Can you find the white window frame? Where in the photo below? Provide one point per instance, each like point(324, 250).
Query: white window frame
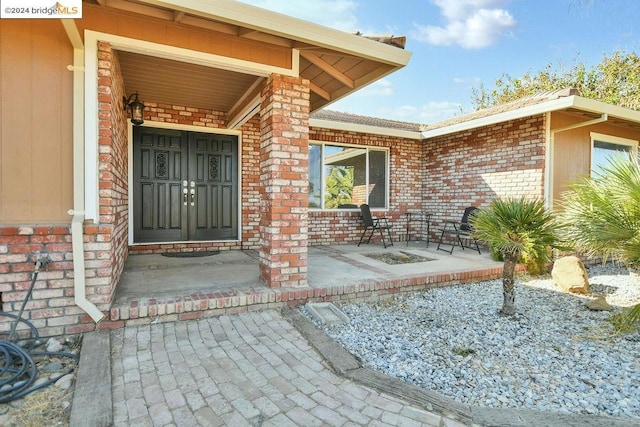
point(367, 149)
point(600, 137)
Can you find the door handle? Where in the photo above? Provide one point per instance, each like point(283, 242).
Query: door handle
point(193, 196)
point(185, 192)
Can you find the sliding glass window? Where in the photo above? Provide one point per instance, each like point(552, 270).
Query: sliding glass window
point(344, 177)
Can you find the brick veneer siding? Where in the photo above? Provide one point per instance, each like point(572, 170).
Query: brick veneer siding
point(472, 168)
point(406, 177)
point(51, 306)
point(284, 161)
point(113, 178)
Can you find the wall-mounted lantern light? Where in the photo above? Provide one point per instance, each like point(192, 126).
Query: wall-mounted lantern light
point(135, 107)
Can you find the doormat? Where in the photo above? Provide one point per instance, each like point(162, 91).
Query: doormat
point(194, 254)
point(398, 257)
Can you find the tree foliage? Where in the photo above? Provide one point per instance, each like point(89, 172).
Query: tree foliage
point(602, 217)
point(338, 187)
point(615, 80)
point(602, 213)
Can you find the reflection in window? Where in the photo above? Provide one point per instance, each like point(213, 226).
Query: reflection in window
point(315, 176)
point(603, 151)
point(351, 176)
point(344, 176)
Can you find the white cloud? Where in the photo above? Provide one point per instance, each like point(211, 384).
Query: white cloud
point(472, 24)
point(337, 14)
point(428, 113)
point(381, 87)
point(468, 82)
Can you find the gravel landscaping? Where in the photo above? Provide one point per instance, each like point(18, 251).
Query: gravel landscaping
point(554, 355)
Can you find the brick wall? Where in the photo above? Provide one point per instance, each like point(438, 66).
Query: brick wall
point(284, 162)
point(471, 168)
point(111, 237)
point(51, 308)
point(251, 184)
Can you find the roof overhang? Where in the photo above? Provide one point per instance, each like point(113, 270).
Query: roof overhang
point(335, 63)
point(276, 24)
point(358, 128)
point(565, 103)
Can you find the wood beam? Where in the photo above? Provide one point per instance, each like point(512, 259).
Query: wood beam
point(178, 15)
point(251, 34)
point(327, 68)
point(138, 8)
point(246, 105)
point(229, 29)
point(319, 91)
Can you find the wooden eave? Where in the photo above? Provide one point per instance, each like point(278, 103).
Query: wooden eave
point(336, 63)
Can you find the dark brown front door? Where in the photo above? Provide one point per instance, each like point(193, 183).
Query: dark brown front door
point(185, 186)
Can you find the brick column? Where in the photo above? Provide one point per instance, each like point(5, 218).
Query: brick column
point(284, 181)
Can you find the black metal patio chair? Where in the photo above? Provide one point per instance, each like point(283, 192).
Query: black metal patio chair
point(374, 223)
point(459, 233)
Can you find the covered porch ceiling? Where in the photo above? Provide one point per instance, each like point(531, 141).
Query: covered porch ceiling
point(336, 63)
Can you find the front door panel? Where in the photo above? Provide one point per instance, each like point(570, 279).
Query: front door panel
point(159, 164)
point(185, 186)
point(213, 167)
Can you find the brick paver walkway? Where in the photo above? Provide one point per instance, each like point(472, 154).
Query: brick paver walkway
point(251, 369)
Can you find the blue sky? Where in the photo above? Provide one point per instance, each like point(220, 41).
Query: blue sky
point(459, 44)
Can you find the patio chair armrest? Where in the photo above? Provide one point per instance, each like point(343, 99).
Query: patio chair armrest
point(381, 220)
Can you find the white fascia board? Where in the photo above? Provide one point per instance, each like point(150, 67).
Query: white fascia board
point(277, 24)
point(373, 130)
point(600, 107)
point(577, 102)
point(556, 104)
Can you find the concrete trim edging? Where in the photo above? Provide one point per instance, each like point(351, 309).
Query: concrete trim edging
point(346, 365)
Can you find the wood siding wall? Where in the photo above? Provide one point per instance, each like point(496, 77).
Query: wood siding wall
point(168, 33)
point(36, 170)
point(571, 156)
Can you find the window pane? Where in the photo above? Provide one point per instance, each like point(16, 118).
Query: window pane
point(602, 152)
point(315, 178)
point(377, 179)
point(344, 177)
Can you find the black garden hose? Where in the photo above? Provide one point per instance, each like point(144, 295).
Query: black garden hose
point(18, 369)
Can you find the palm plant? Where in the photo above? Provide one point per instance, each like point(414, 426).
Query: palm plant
point(602, 215)
point(517, 229)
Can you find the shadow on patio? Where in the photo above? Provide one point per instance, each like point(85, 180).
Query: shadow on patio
point(155, 287)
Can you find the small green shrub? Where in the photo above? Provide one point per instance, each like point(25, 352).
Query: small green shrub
point(464, 352)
